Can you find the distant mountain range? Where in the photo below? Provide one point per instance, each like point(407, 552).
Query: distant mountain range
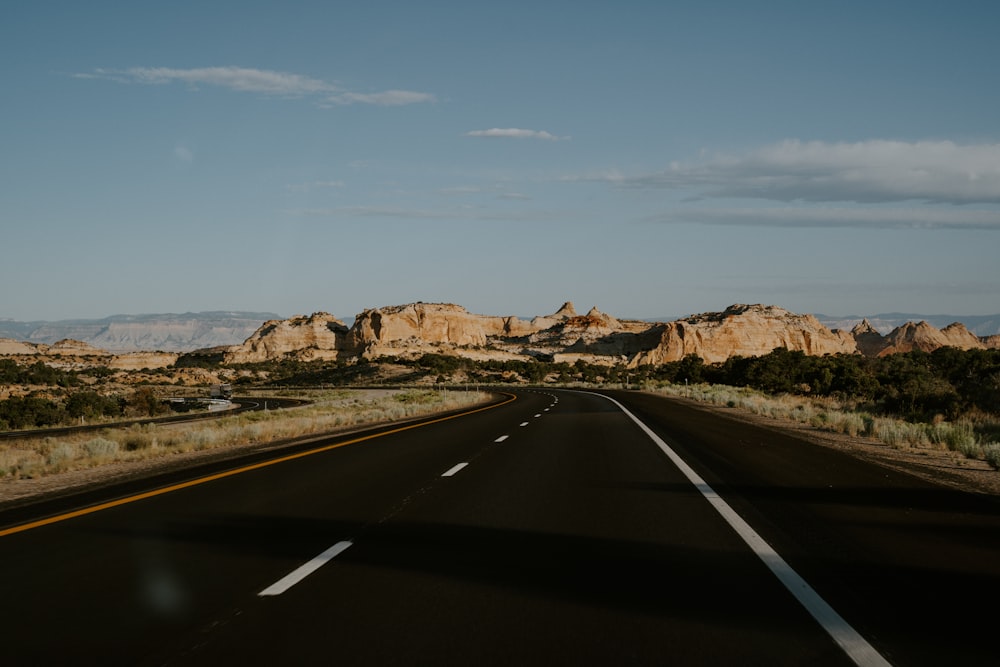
point(981, 325)
point(884, 323)
point(168, 332)
point(171, 332)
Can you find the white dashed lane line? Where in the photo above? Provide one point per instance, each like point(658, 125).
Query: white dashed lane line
point(294, 577)
point(501, 438)
point(523, 424)
point(455, 469)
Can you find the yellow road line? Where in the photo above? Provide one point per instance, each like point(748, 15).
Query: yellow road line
point(229, 473)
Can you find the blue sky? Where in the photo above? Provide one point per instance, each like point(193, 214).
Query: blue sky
point(654, 159)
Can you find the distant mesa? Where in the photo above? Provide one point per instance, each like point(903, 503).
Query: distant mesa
point(138, 333)
point(742, 330)
point(414, 329)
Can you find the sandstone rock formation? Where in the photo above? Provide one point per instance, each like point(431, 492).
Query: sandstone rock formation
point(137, 361)
point(10, 347)
point(743, 330)
point(923, 336)
point(869, 341)
point(383, 331)
point(318, 336)
point(74, 354)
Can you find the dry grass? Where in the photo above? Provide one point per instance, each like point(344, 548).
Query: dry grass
point(963, 436)
point(329, 412)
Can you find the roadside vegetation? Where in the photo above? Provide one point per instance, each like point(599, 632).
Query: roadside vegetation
point(948, 399)
point(79, 406)
point(330, 411)
point(973, 438)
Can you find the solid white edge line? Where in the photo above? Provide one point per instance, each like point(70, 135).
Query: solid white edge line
point(454, 469)
point(854, 645)
point(501, 438)
point(300, 573)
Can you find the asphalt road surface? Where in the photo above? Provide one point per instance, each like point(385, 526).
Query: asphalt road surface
point(559, 528)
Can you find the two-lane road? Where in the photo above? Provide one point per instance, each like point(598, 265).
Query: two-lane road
point(551, 529)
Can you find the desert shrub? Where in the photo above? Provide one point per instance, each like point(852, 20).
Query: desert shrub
point(139, 437)
point(101, 448)
point(204, 439)
point(961, 437)
point(894, 433)
point(991, 453)
point(852, 423)
point(61, 455)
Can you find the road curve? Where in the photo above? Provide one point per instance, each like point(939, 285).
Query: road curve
point(549, 530)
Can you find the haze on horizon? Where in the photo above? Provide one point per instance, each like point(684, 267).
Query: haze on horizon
point(648, 158)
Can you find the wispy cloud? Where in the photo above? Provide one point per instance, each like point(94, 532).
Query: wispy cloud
point(388, 98)
point(923, 217)
point(463, 213)
point(263, 82)
point(315, 185)
point(497, 191)
point(516, 133)
point(875, 171)
point(184, 154)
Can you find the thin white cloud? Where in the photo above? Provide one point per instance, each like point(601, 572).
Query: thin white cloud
point(315, 185)
point(922, 217)
point(235, 78)
point(388, 98)
point(866, 172)
point(516, 133)
point(463, 213)
point(462, 190)
point(264, 82)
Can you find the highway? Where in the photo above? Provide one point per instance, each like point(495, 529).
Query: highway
point(555, 528)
